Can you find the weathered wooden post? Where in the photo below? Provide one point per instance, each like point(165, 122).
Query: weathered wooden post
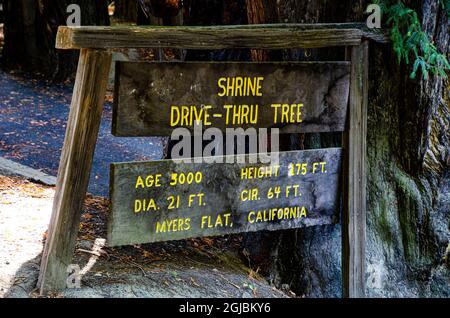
point(75, 166)
point(354, 190)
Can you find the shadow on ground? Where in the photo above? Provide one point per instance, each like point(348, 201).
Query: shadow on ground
point(206, 267)
point(114, 275)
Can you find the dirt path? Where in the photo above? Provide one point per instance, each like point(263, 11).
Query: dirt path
point(188, 268)
point(24, 215)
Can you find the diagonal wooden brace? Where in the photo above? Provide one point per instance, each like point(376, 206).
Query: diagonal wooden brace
point(74, 168)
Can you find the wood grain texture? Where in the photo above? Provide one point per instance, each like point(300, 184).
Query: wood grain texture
point(222, 185)
point(263, 36)
point(74, 169)
point(145, 92)
point(354, 199)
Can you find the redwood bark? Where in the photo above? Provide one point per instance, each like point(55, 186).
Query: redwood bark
point(408, 173)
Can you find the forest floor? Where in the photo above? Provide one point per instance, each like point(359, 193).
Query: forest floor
point(207, 267)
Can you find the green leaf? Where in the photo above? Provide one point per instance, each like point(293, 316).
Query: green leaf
point(410, 42)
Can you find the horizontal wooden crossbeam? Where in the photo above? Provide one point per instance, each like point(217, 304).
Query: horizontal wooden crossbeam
point(263, 36)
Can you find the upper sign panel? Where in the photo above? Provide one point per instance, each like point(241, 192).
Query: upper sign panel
point(152, 99)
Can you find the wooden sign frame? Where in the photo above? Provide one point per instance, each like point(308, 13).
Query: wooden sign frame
point(87, 105)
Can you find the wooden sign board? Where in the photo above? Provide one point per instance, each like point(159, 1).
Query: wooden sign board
point(169, 200)
point(151, 99)
point(322, 88)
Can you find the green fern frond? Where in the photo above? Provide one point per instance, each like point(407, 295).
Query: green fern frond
point(410, 42)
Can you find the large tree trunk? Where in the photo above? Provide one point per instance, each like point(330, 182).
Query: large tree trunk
point(215, 12)
point(408, 175)
point(408, 181)
point(408, 159)
point(30, 32)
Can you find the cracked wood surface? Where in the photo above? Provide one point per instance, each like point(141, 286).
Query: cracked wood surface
point(145, 92)
point(257, 36)
point(222, 186)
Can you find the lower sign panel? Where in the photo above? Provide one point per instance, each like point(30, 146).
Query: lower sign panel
point(170, 200)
